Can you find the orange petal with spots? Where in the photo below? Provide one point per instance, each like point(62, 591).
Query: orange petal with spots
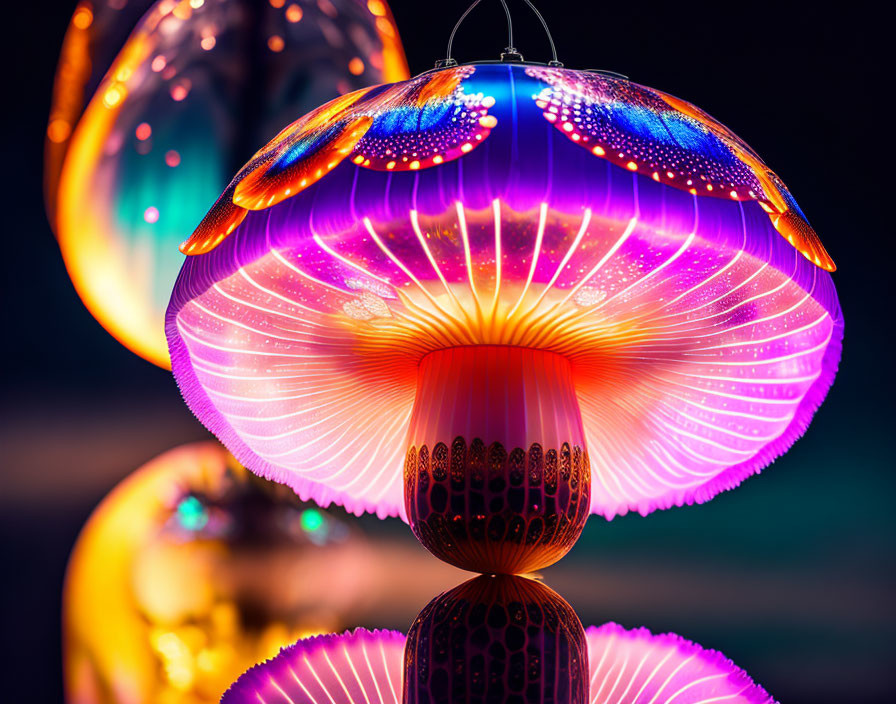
point(801, 235)
point(260, 189)
point(219, 222)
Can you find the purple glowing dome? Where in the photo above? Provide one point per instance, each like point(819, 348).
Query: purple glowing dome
point(585, 285)
point(626, 667)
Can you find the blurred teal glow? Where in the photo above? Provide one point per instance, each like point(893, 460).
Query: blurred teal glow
point(192, 514)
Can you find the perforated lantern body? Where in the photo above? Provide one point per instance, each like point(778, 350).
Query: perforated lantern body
point(527, 261)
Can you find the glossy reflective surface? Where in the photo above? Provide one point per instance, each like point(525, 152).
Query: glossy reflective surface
point(498, 640)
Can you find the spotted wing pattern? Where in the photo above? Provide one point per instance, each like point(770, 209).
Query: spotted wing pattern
point(406, 126)
point(672, 141)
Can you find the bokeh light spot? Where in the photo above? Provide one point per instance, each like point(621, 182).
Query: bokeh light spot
point(191, 513)
point(356, 66)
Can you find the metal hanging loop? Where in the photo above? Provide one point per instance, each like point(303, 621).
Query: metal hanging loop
point(510, 54)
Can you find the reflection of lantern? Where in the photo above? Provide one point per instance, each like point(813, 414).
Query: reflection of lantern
point(193, 569)
point(498, 639)
point(193, 89)
point(623, 667)
point(497, 297)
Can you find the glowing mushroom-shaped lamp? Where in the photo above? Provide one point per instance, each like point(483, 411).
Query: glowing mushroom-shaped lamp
point(498, 297)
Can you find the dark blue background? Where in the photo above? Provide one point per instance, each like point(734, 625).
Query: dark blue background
point(791, 575)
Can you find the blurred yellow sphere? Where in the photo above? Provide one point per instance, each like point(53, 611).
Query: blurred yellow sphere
point(190, 571)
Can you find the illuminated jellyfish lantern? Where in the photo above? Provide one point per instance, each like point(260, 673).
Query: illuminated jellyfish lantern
point(505, 639)
point(498, 297)
point(191, 570)
point(192, 91)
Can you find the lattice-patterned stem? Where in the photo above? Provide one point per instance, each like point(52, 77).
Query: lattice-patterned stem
point(496, 639)
point(497, 478)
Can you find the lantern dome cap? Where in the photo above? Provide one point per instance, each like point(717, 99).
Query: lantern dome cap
point(507, 205)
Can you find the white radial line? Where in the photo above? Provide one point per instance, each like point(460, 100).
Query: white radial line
point(597, 267)
point(709, 278)
point(338, 676)
point(407, 272)
point(238, 350)
point(621, 673)
point(600, 470)
point(536, 252)
point(653, 272)
point(348, 262)
point(631, 680)
point(670, 678)
point(706, 441)
point(631, 475)
point(269, 311)
point(397, 470)
point(235, 377)
point(468, 258)
point(648, 449)
point(695, 360)
point(662, 480)
point(341, 411)
point(415, 224)
point(347, 424)
point(764, 381)
point(749, 323)
point(602, 658)
point(737, 397)
point(583, 228)
point(280, 689)
point(373, 677)
point(359, 474)
point(304, 689)
point(390, 436)
point(698, 361)
point(725, 411)
point(244, 326)
point(260, 698)
point(724, 295)
point(701, 476)
point(291, 301)
point(496, 207)
point(269, 419)
point(351, 664)
point(694, 684)
point(603, 681)
point(289, 265)
point(645, 489)
point(673, 412)
point(723, 697)
point(388, 674)
point(315, 676)
point(319, 390)
point(779, 336)
point(704, 282)
point(664, 333)
point(693, 455)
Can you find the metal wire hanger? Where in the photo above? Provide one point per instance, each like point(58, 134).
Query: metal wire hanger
point(510, 54)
